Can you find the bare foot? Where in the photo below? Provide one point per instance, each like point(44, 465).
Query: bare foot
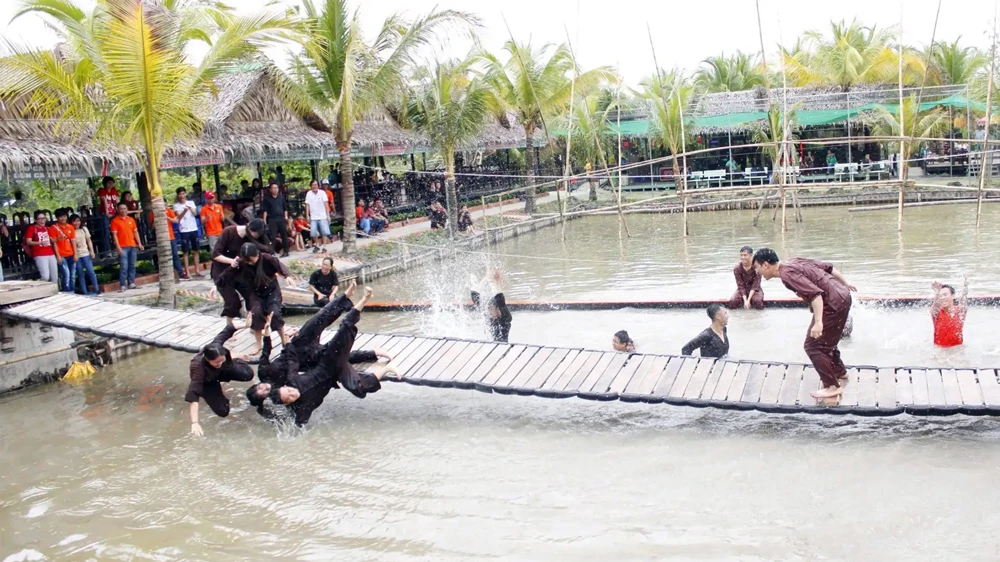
point(828, 392)
point(255, 352)
point(285, 340)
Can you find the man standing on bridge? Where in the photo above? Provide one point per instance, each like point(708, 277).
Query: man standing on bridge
point(829, 296)
point(748, 293)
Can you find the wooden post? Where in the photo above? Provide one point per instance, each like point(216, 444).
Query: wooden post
point(684, 164)
point(215, 176)
point(987, 160)
point(569, 140)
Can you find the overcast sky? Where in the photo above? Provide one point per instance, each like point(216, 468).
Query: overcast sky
point(614, 33)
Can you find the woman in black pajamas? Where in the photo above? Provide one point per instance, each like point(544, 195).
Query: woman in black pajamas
point(259, 271)
point(209, 369)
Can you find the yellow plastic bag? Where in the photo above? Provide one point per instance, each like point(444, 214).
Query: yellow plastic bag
point(79, 372)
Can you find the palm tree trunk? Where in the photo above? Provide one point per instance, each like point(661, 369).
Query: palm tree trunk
point(164, 257)
point(529, 159)
point(451, 193)
point(348, 235)
point(593, 189)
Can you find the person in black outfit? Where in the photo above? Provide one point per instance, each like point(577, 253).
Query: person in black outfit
point(208, 369)
point(306, 391)
point(300, 354)
point(465, 220)
point(274, 211)
point(438, 215)
point(714, 341)
point(225, 252)
point(498, 317)
point(260, 272)
point(323, 282)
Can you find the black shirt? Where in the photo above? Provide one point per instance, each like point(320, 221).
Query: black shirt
point(275, 207)
point(324, 283)
point(710, 344)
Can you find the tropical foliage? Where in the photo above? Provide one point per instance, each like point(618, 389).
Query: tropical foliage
point(592, 131)
point(666, 95)
point(886, 122)
point(952, 63)
point(729, 74)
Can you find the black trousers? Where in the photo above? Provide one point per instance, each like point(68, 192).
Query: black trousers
point(234, 296)
point(212, 390)
point(279, 229)
point(262, 305)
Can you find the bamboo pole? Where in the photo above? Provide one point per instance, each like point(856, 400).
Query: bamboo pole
point(569, 137)
point(778, 148)
point(903, 165)
point(621, 216)
point(987, 166)
point(684, 163)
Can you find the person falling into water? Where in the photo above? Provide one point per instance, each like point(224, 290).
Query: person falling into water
point(260, 272)
point(210, 368)
point(498, 317)
point(714, 340)
point(621, 342)
point(301, 353)
point(829, 296)
point(748, 292)
point(234, 292)
point(305, 392)
point(948, 317)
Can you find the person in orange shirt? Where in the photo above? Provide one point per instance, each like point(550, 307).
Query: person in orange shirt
point(65, 234)
point(331, 206)
point(948, 317)
point(125, 236)
point(212, 217)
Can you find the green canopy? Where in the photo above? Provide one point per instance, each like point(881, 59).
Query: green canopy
point(729, 119)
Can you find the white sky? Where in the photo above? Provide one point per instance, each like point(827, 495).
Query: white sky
point(614, 33)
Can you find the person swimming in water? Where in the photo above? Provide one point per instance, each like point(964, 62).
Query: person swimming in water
point(498, 317)
point(622, 342)
point(949, 317)
point(714, 340)
point(211, 367)
point(305, 392)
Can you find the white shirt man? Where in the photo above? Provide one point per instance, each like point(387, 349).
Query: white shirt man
point(317, 215)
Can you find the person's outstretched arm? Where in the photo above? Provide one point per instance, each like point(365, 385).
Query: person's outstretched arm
point(963, 300)
point(698, 342)
point(935, 305)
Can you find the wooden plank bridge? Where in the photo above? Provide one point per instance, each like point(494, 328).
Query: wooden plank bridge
point(550, 372)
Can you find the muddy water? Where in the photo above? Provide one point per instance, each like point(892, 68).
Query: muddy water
point(106, 470)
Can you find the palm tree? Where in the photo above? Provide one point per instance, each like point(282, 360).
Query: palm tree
point(733, 74)
point(592, 115)
point(853, 54)
point(666, 95)
point(954, 64)
point(535, 84)
point(886, 123)
point(451, 108)
point(347, 78)
point(772, 132)
point(124, 76)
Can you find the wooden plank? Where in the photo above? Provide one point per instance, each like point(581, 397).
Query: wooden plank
point(647, 374)
point(600, 379)
point(172, 318)
point(28, 309)
point(359, 342)
point(773, 378)
point(867, 388)
point(199, 334)
point(790, 386)
point(531, 369)
point(474, 362)
point(969, 387)
point(408, 351)
point(952, 394)
point(625, 374)
point(755, 383)
point(935, 387)
point(549, 368)
point(503, 364)
point(713, 379)
point(736, 387)
point(810, 384)
point(885, 390)
point(517, 366)
point(850, 395)
point(447, 357)
point(725, 380)
point(399, 343)
point(414, 364)
point(489, 362)
point(63, 314)
point(83, 319)
point(391, 343)
point(431, 359)
point(989, 387)
point(904, 388)
point(699, 378)
point(377, 340)
point(592, 363)
point(684, 376)
point(157, 333)
point(127, 328)
point(918, 382)
point(50, 307)
point(669, 374)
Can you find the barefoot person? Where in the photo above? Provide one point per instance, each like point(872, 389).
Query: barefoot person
point(305, 392)
point(208, 369)
point(748, 293)
point(948, 317)
point(260, 272)
point(235, 293)
point(829, 295)
point(714, 340)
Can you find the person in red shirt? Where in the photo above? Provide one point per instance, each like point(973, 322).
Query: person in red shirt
point(108, 196)
point(301, 226)
point(40, 238)
point(65, 250)
point(948, 317)
point(125, 235)
point(212, 217)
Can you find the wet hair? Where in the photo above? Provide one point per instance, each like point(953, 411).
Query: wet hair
point(622, 336)
point(950, 289)
point(38, 213)
point(260, 278)
point(62, 213)
point(765, 255)
point(107, 180)
point(275, 395)
point(713, 309)
point(252, 396)
point(746, 249)
point(213, 351)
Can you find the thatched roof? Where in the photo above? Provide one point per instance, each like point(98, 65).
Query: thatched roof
point(506, 132)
